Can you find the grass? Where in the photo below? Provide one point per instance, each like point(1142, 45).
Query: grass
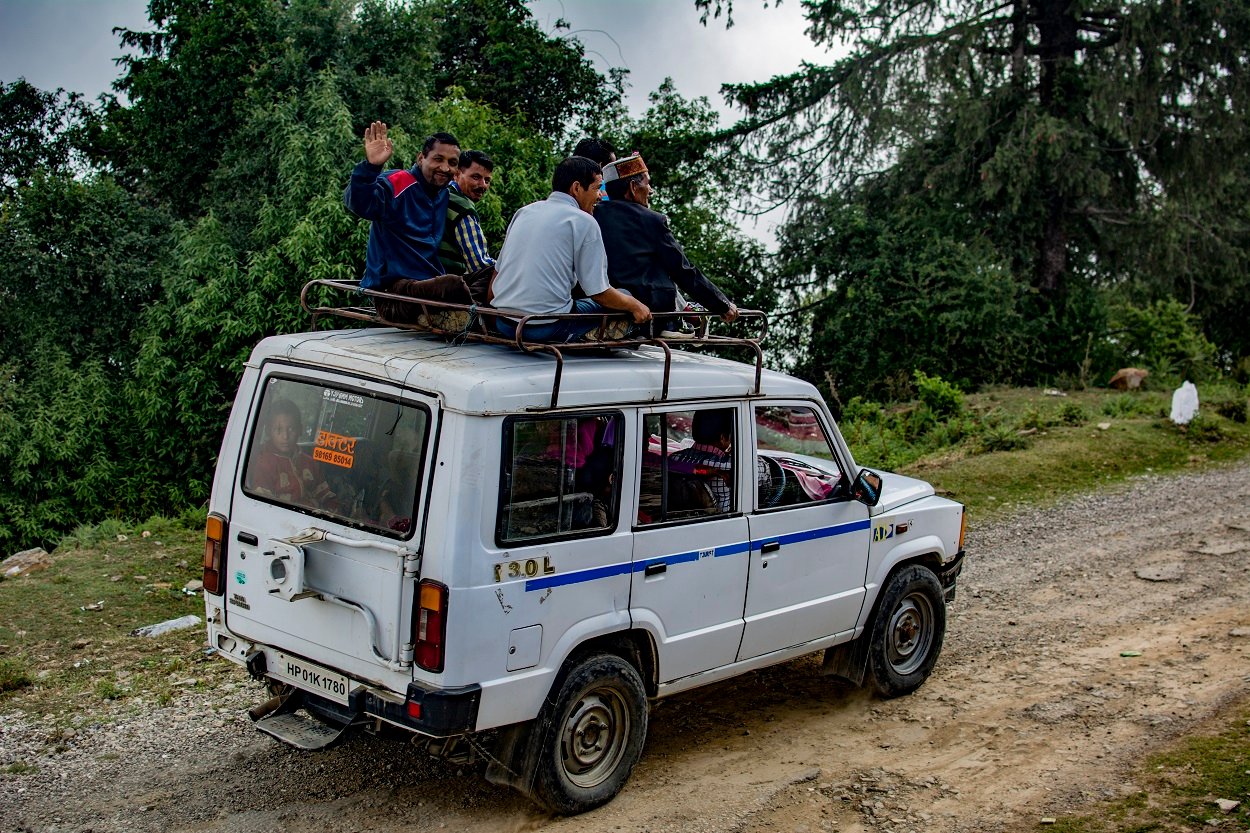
point(1181, 786)
point(1026, 447)
point(13, 675)
point(20, 768)
point(66, 653)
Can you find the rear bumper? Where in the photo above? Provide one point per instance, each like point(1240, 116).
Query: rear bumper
point(443, 712)
point(437, 712)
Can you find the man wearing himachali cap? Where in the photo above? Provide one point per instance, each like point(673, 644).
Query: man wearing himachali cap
point(552, 246)
point(644, 258)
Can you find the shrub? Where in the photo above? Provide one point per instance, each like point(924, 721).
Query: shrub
point(943, 398)
point(89, 535)
point(1165, 338)
point(1000, 438)
point(914, 423)
point(1072, 414)
point(13, 675)
point(21, 768)
point(1127, 405)
point(194, 518)
point(949, 433)
point(1032, 418)
point(861, 410)
point(1231, 405)
point(1205, 429)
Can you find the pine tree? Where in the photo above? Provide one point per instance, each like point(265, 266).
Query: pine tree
point(1094, 144)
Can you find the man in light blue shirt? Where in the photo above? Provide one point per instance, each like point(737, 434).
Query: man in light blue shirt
point(552, 246)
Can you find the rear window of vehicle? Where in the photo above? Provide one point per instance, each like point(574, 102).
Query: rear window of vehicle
point(342, 454)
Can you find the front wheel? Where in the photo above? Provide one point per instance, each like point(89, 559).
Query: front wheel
point(907, 634)
point(593, 730)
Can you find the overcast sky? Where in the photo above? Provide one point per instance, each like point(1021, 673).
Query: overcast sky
point(65, 43)
point(658, 38)
point(70, 44)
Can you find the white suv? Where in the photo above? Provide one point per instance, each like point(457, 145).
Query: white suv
point(410, 533)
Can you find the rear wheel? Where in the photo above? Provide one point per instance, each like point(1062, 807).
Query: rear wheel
point(593, 731)
point(908, 632)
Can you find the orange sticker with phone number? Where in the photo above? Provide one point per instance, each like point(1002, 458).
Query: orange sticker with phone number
point(335, 449)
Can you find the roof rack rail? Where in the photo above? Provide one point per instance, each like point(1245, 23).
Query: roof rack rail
point(473, 322)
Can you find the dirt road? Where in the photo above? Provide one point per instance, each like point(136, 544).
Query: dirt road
point(1034, 710)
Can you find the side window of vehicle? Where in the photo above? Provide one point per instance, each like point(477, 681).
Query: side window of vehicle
point(795, 462)
point(687, 465)
point(561, 477)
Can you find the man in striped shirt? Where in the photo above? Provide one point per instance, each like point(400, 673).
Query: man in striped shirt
point(463, 248)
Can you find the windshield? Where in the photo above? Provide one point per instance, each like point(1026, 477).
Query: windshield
point(342, 454)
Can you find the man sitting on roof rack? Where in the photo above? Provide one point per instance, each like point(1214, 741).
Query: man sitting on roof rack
point(599, 151)
point(463, 249)
point(552, 246)
point(407, 209)
point(644, 258)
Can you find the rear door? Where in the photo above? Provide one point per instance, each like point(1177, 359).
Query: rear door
point(690, 538)
point(809, 540)
point(325, 521)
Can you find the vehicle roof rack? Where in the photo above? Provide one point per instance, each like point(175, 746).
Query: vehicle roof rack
point(474, 322)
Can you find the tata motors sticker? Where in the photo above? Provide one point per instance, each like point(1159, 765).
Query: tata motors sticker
point(335, 449)
point(343, 398)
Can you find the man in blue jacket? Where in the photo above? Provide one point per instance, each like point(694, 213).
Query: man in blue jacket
point(407, 209)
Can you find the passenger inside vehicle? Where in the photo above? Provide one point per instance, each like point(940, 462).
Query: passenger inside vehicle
point(560, 476)
point(403, 466)
point(279, 468)
point(687, 467)
point(710, 455)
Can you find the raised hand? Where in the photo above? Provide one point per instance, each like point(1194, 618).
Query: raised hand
point(378, 148)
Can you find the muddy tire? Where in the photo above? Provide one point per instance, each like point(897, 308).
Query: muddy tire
point(592, 730)
point(908, 631)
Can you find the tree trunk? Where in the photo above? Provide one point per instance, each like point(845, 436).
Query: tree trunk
point(1019, 40)
point(1060, 97)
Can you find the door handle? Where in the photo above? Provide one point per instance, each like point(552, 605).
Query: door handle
point(771, 546)
point(654, 569)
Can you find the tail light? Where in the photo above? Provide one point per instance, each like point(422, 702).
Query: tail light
point(963, 526)
point(431, 625)
point(214, 554)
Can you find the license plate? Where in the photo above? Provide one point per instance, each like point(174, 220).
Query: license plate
point(309, 676)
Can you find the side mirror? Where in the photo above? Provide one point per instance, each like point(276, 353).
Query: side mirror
point(867, 487)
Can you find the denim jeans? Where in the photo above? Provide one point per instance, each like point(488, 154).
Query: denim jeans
point(557, 332)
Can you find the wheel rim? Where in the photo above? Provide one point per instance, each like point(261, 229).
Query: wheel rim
point(593, 737)
point(910, 634)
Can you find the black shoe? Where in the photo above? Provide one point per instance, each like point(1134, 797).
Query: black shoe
point(682, 331)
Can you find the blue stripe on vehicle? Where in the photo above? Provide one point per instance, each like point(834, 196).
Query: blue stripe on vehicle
point(814, 534)
point(578, 577)
point(733, 549)
point(738, 548)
